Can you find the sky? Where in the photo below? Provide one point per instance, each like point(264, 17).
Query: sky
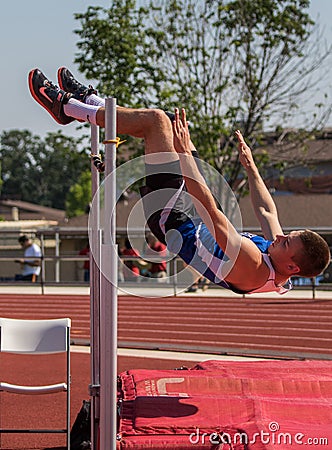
point(41, 34)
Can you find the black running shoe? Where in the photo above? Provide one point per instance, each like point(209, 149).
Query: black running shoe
point(49, 96)
point(68, 83)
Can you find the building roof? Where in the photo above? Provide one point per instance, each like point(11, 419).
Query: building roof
point(312, 150)
point(123, 211)
point(28, 211)
point(295, 211)
point(26, 225)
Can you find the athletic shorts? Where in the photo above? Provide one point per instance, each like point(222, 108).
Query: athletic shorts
point(187, 235)
point(163, 183)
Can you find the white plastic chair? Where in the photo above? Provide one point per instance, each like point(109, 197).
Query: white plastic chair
point(36, 337)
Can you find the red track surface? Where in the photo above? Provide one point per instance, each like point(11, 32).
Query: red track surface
point(271, 327)
point(48, 411)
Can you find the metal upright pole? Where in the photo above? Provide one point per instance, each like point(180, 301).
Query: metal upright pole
point(57, 257)
point(95, 242)
point(109, 280)
point(42, 264)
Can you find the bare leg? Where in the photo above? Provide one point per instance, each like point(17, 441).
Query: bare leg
point(152, 125)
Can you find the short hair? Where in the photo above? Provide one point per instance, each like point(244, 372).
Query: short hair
point(23, 239)
point(315, 255)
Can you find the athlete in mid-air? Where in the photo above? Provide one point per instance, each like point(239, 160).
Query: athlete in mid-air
point(180, 209)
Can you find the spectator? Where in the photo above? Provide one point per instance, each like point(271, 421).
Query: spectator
point(156, 248)
point(131, 270)
point(30, 264)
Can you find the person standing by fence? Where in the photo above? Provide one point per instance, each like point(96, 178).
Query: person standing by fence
point(31, 262)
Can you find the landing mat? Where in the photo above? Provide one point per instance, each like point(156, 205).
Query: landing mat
point(227, 405)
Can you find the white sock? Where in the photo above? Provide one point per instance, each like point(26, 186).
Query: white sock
point(81, 111)
point(94, 100)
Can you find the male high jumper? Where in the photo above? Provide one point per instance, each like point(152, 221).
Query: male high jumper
point(179, 207)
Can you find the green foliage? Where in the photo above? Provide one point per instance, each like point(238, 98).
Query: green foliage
point(40, 170)
point(19, 153)
point(112, 48)
point(231, 64)
point(79, 196)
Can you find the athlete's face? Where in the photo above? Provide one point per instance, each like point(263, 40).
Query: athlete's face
point(282, 251)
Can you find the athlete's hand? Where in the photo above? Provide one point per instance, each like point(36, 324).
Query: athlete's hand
point(245, 154)
point(181, 135)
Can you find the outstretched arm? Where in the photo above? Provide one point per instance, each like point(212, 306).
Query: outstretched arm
point(261, 199)
point(196, 185)
point(245, 268)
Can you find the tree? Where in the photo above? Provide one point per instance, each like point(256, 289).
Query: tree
point(79, 196)
point(231, 64)
point(40, 170)
point(61, 163)
point(111, 49)
point(19, 153)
